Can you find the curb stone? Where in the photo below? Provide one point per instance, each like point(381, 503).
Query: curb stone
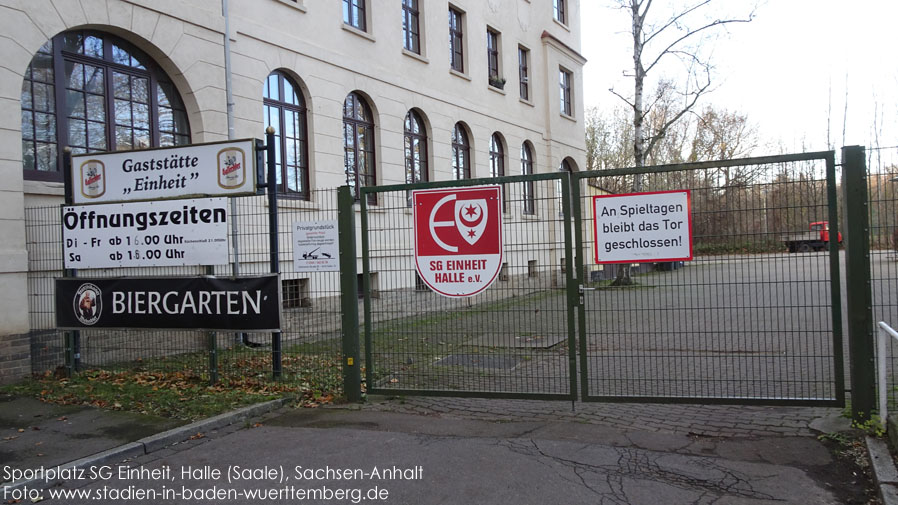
point(155, 442)
point(884, 473)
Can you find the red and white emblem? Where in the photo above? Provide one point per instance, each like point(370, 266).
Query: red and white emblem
point(458, 238)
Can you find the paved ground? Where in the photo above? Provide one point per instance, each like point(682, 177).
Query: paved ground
point(448, 450)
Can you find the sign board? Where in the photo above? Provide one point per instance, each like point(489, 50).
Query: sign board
point(458, 238)
point(215, 169)
point(643, 227)
point(316, 247)
point(207, 303)
point(146, 234)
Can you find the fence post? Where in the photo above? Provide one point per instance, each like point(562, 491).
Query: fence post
point(858, 289)
point(72, 337)
point(352, 376)
point(276, 367)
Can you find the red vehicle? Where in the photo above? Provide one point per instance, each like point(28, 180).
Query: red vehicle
point(817, 239)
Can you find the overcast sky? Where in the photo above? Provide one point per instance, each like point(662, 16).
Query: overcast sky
point(782, 70)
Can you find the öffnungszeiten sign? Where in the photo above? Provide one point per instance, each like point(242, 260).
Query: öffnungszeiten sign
point(214, 169)
point(643, 227)
point(146, 234)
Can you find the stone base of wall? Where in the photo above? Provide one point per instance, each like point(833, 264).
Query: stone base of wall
point(15, 357)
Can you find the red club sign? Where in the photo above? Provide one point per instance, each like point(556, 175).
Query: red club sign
point(458, 238)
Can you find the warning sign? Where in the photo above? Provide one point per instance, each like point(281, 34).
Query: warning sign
point(643, 227)
point(458, 238)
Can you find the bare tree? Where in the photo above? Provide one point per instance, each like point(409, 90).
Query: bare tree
point(681, 36)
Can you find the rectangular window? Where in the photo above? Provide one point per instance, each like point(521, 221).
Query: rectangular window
point(411, 33)
point(492, 58)
point(564, 83)
point(354, 14)
point(560, 14)
point(456, 40)
point(524, 72)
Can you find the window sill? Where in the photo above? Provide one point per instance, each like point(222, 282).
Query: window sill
point(496, 90)
point(415, 56)
point(287, 202)
point(355, 31)
point(559, 23)
point(568, 117)
point(456, 73)
point(32, 187)
point(299, 5)
point(526, 102)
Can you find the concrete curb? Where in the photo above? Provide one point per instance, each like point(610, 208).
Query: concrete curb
point(884, 473)
point(152, 443)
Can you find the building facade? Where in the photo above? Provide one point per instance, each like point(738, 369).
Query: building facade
point(360, 92)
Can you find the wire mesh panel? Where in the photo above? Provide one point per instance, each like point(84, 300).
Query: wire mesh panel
point(311, 315)
point(882, 186)
point(513, 339)
point(754, 317)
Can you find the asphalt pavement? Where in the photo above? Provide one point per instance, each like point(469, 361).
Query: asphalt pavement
point(420, 450)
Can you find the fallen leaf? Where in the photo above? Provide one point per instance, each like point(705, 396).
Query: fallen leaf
point(197, 436)
point(21, 430)
point(10, 438)
point(63, 418)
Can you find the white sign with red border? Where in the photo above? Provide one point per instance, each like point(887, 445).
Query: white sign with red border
point(643, 227)
point(458, 238)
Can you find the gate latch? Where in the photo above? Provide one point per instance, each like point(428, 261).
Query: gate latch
point(583, 289)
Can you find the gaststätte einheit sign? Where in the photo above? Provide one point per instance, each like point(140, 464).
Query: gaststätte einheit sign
point(214, 169)
point(146, 234)
point(207, 303)
point(458, 238)
point(643, 227)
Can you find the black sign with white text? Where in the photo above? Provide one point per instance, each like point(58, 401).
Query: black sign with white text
point(208, 303)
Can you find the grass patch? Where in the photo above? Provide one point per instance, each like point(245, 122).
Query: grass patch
point(186, 394)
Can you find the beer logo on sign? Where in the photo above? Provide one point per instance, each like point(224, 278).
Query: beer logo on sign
point(231, 168)
point(88, 304)
point(93, 179)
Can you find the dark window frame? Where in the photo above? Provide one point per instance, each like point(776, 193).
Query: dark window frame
point(461, 152)
point(524, 72)
point(411, 28)
point(158, 124)
point(360, 128)
point(354, 12)
point(415, 131)
point(558, 7)
point(456, 40)
point(565, 78)
point(284, 107)
point(527, 187)
point(497, 163)
point(492, 55)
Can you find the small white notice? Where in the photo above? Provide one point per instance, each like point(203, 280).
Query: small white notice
point(643, 227)
point(316, 246)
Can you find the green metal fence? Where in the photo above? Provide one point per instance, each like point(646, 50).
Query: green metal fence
point(513, 340)
point(746, 320)
point(311, 314)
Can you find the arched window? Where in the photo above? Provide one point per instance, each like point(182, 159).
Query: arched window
point(358, 144)
point(415, 148)
point(497, 163)
point(529, 204)
point(92, 91)
point(461, 153)
point(415, 151)
point(285, 110)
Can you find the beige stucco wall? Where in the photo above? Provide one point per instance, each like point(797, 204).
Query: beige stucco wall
point(308, 40)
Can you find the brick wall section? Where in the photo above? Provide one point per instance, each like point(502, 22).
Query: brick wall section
point(15, 357)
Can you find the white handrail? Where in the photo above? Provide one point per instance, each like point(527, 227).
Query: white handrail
point(885, 331)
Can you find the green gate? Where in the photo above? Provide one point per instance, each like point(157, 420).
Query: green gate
point(514, 340)
point(743, 321)
point(746, 320)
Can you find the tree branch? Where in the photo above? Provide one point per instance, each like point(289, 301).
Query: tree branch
point(669, 48)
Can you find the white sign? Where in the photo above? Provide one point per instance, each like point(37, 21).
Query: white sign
point(316, 247)
point(220, 168)
point(643, 227)
point(146, 234)
point(458, 238)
